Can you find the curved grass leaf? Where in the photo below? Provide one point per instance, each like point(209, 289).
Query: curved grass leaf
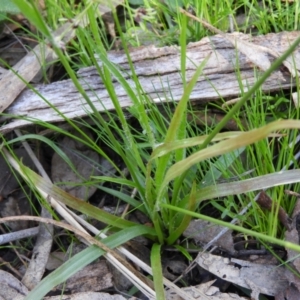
point(166, 148)
point(121, 181)
point(80, 260)
point(244, 139)
point(248, 185)
point(172, 134)
point(42, 185)
point(249, 232)
point(157, 272)
point(80, 205)
point(124, 197)
point(185, 219)
point(32, 14)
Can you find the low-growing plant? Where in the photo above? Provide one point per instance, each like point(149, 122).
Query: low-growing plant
point(165, 157)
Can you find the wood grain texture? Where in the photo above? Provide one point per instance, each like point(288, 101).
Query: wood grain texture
point(158, 70)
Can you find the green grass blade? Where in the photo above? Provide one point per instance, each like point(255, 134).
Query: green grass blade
point(45, 187)
point(152, 186)
point(248, 185)
point(166, 148)
point(124, 197)
point(31, 12)
point(183, 49)
point(244, 139)
point(157, 272)
point(77, 204)
point(62, 273)
point(179, 113)
point(176, 232)
point(236, 228)
point(173, 129)
point(278, 62)
point(120, 181)
point(80, 260)
point(222, 163)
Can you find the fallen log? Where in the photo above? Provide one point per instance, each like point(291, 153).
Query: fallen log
point(224, 76)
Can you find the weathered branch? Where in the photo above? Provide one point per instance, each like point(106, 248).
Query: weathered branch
point(158, 70)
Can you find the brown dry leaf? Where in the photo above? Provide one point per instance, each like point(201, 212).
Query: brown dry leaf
point(11, 287)
point(211, 118)
point(204, 231)
point(120, 281)
point(264, 201)
point(291, 293)
point(13, 201)
point(92, 278)
point(264, 279)
point(294, 282)
point(87, 296)
point(9, 181)
point(18, 21)
point(85, 162)
point(173, 268)
point(144, 284)
point(55, 260)
point(16, 205)
point(210, 292)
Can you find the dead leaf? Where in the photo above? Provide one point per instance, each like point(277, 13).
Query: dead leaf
point(9, 181)
point(204, 231)
point(87, 296)
point(11, 287)
point(85, 163)
point(173, 268)
point(293, 280)
point(266, 202)
point(264, 279)
point(210, 292)
point(92, 278)
point(120, 281)
point(55, 260)
point(295, 98)
point(291, 293)
point(16, 205)
point(13, 201)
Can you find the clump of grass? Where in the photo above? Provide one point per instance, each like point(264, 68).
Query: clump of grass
point(167, 160)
